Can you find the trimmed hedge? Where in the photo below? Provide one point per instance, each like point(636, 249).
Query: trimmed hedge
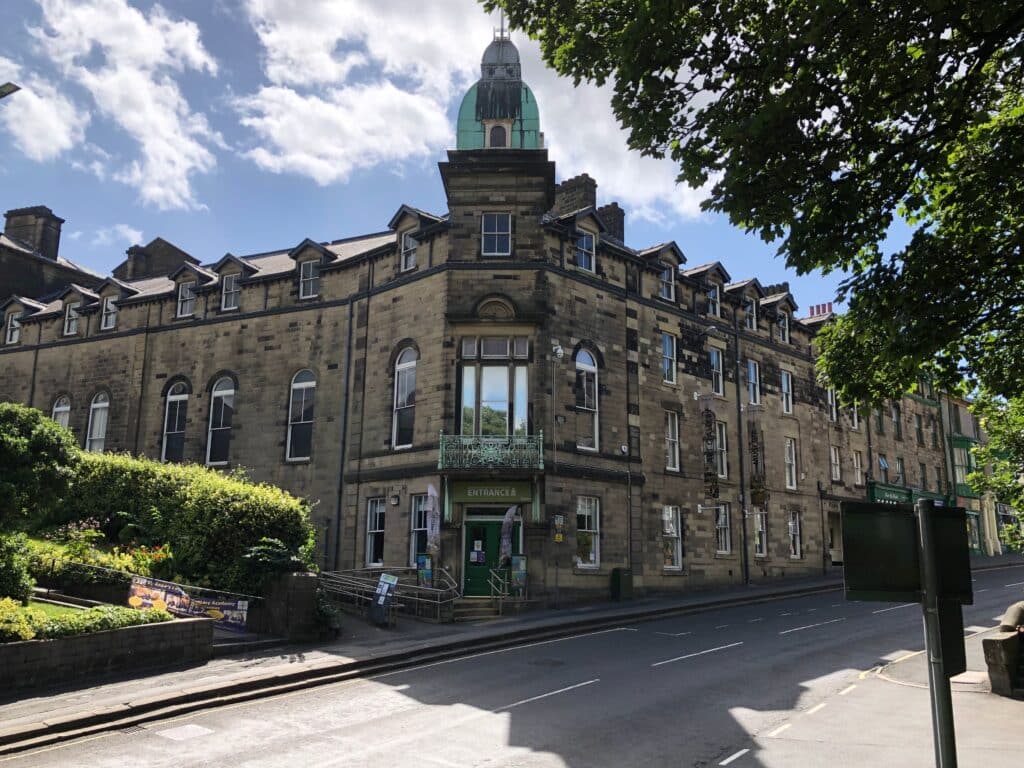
point(20, 623)
point(213, 523)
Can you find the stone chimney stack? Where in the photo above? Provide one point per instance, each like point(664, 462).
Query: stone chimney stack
point(615, 219)
point(575, 193)
point(37, 227)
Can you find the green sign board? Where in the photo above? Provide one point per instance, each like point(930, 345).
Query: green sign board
point(891, 493)
point(492, 492)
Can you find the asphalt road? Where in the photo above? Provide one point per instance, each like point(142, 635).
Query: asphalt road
point(697, 690)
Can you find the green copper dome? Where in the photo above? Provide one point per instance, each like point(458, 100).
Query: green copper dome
point(499, 98)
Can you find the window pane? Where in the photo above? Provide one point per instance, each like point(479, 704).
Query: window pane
point(301, 442)
point(521, 346)
point(521, 395)
point(404, 418)
point(469, 347)
point(468, 399)
point(174, 447)
point(494, 346)
point(494, 404)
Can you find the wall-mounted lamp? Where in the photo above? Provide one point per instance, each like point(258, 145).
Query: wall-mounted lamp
point(395, 499)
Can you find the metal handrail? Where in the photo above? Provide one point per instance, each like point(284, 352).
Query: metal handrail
point(359, 585)
point(498, 581)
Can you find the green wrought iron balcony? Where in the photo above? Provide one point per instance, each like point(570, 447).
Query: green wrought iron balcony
point(485, 452)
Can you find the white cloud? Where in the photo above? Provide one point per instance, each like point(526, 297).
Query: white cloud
point(333, 64)
point(126, 60)
point(117, 233)
point(43, 122)
point(317, 136)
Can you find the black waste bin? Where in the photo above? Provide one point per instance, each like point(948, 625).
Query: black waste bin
point(622, 584)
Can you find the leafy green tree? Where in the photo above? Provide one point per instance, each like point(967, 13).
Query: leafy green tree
point(1001, 461)
point(37, 461)
point(821, 124)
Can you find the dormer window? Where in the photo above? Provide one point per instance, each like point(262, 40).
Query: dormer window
point(309, 279)
point(71, 318)
point(668, 283)
point(13, 335)
point(714, 306)
point(409, 244)
point(585, 252)
point(750, 313)
point(230, 292)
point(784, 327)
point(186, 298)
point(496, 234)
point(108, 318)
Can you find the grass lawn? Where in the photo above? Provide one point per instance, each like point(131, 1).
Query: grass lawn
point(53, 611)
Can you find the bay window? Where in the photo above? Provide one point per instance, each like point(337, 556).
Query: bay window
point(495, 388)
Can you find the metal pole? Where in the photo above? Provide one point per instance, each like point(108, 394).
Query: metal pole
point(938, 684)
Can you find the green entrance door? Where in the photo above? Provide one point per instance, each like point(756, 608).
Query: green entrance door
point(483, 546)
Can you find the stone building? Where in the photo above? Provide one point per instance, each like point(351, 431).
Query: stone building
point(638, 411)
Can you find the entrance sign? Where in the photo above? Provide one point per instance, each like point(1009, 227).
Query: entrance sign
point(380, 606)
point(493, 492)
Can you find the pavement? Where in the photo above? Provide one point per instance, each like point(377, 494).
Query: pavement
point(794, 681)
point(364, 650)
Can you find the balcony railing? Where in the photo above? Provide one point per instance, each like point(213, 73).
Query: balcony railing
point(479, 452)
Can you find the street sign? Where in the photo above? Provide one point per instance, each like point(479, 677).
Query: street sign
point(882, 559)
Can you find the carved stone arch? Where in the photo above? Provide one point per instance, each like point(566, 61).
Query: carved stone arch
point(220, 375)
point(495, 306)
point(590, 347)
point(398, 349)
point(178, 379)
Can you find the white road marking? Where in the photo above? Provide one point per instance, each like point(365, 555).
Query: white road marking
point(545, 695)
point(895, 607)
point(835, 605)
point(735, 756)
point(754, 620)
point(1015, 584)
point(817, 708)
point(980, 590)
point(810, 626)
point(673, 634)
point(721, 626)
point(627, 629)
point(847, 689)
point(785, 614)
point(491, 653)
point(811, 610)
point(779, 730)
point(184, 732)
point(698, 653)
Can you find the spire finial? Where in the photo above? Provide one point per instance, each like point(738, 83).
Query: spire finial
point(500, 33)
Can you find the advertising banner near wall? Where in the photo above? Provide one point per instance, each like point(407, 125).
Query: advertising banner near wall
point(710, 455)
point(227, 613)
point(433, 522)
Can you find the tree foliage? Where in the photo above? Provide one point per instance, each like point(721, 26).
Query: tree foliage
point(1001, 461)
point(37, 461)
point(821, 124)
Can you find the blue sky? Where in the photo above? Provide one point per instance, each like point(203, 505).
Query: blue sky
point(247, 125)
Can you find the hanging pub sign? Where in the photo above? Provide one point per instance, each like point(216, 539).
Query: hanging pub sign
point(758, 491)
point(710, 455)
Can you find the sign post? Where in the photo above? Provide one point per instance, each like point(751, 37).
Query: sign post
point(893, 552)
point(938, 682)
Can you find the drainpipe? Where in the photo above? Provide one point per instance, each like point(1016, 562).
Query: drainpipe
point(743, 481)
point(344, 441)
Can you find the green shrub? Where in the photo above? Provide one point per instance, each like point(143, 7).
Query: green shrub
point(38, 458)
point(18, 622)
point(99, 619)
point(211, 522)
point(15, 580)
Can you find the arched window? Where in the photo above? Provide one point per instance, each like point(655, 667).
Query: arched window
point(405, 399)
point(62, 410)
point(300, 416)
point(498, 136)
point(174, 423)
point(586, 401)
point(222, 411)
point(96, 434)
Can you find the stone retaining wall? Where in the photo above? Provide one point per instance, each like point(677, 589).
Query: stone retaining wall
point(41, 663)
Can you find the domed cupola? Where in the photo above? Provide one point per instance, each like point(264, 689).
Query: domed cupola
point(499, 111)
